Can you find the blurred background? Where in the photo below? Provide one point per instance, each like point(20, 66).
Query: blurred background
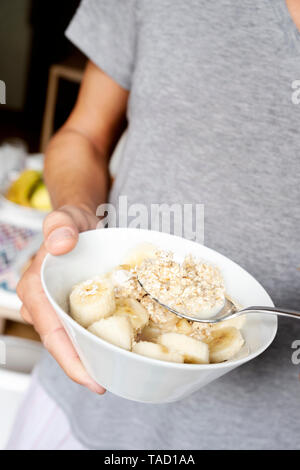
point(31, 43)
point(42, 73)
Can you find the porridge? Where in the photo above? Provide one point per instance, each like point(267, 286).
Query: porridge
point(191, 287)
point(116, 308)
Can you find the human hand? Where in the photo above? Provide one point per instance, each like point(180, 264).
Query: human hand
point(61, 229)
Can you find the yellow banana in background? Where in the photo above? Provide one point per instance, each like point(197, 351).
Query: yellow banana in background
point(29, 190)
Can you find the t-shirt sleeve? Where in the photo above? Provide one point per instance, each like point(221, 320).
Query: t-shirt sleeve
point(105, 31)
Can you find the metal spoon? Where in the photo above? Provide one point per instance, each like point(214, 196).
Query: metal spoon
point(228, 311)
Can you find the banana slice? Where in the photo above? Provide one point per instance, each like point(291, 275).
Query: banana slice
point(156, 351)
point(139, 254)
point(92, 300)
point(120, 276)
point(153, 330)
point(237, 322)
point(224, 343)
point(184, 327)
point(150, 333)
point(193, 351)
point(133, 310)
point(116, 330)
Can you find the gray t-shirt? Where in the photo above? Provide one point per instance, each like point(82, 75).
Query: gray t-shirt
point(211, 120)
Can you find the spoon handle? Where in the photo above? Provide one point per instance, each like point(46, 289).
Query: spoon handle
point(274, 311)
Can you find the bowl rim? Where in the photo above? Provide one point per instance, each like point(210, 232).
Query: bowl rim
point(149, 360)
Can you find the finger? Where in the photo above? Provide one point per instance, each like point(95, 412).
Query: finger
point(59, 345)
point(53, 335)
point(26, 315)
point(84, 219)
point(62, 226)
point(60, 233)
point(35, 267)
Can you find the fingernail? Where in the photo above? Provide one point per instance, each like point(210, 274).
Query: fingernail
point(94, 387)
point(60, 234)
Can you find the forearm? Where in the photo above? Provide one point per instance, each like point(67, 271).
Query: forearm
point(75, 171)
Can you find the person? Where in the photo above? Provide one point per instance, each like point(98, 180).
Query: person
point(209, 91)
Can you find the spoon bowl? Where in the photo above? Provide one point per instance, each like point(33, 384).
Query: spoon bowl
point(228, 311)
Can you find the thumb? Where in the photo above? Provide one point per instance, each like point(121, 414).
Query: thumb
point(60, 233)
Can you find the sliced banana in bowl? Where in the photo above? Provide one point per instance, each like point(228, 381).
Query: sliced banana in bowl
point(91, 300)
point(183, 326)
point(142, 326)
point(116, 330)
point(126, 322)
point(224, 344)
point(192, 350)
point(141, 252)
point(150, 332)
point(157, 351)
point(236, 322)
point(132, 309)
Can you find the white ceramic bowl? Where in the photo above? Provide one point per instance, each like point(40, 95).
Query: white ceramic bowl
point(125, 373)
